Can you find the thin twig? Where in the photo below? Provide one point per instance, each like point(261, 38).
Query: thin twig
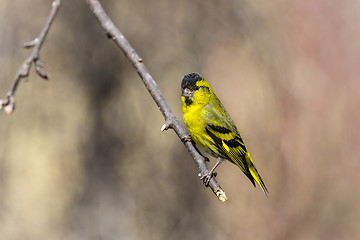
point(170, 120)
point(8, 104)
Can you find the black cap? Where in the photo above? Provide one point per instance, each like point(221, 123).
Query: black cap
point(190, 80)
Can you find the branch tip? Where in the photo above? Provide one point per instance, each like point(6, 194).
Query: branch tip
point(8, 109)
point(166, 126)
point(221, 194)
point(56, 3)
point(40, 70)
point(29, 44)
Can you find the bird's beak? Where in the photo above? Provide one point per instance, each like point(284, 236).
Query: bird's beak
point(187, 93)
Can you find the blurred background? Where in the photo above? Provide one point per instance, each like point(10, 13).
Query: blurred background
point(82, 156)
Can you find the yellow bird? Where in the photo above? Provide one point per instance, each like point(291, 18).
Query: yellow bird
point(212, 128)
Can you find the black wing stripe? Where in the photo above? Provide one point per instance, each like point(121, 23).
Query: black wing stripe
point(232, 143)
point(217, 140)
point(236, 156)
point(231, 155)
point(219, 129)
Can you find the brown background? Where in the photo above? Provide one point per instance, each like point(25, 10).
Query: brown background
point(82, 157)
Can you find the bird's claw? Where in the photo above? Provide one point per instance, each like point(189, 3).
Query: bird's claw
point(207, 177)
point(186, 139)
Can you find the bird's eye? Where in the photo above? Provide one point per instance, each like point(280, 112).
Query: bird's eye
point(194, 88)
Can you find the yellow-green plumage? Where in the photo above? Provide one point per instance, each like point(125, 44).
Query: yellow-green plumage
point(212, 128)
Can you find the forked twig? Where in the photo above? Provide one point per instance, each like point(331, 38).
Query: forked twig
point(8, 104)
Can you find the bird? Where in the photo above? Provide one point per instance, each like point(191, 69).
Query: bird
point(211, 127)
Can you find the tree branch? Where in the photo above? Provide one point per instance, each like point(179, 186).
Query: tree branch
point(8, 104)
point(170, 120)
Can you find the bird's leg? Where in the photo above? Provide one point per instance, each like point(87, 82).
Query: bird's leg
point(207, 177)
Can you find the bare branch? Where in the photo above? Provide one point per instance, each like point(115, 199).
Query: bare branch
point(170, 120)
point(8, 104)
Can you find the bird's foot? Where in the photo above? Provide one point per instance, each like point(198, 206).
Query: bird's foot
point(186, 139)
point(207, 177)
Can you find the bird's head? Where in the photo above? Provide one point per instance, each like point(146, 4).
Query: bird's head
point(194, 89)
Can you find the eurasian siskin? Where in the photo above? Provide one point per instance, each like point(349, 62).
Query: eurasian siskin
point(211, 128)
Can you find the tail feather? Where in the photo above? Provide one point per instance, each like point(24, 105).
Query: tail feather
point(254, 173)
point(258, 179)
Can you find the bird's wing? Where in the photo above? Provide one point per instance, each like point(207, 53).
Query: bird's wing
point(222, 130)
